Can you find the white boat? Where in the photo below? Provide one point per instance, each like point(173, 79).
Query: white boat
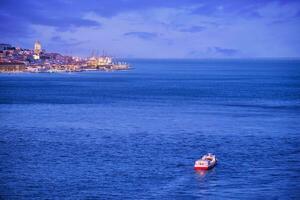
point(207, 161)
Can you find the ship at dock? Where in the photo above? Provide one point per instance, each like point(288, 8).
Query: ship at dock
point(106, 63)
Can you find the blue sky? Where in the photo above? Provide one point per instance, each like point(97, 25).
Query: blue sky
point(155, 28)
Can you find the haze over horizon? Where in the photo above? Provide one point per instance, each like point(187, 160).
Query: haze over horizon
point(156, 29)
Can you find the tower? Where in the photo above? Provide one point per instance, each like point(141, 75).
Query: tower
point(37, 50)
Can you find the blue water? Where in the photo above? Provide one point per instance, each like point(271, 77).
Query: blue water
point(136, 134)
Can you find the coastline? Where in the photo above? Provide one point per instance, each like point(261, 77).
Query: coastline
point(17, 68)
point(62, 71)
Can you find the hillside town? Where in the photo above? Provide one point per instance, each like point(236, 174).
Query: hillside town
point(16, 59)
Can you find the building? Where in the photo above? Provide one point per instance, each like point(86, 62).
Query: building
point(37, 50)
point(12, 67)
point(4, 47)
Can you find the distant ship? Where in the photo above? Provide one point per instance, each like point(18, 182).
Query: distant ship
point(106, 63)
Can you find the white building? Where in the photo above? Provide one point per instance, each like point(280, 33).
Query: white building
point(37, 50)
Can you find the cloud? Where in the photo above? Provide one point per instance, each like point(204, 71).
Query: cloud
point(225, 51)
point(215, 8)
point(13, 27)
point(56, 10)
point(142, 35)
point(66, 23)
point(66, 42)
point(55, 13)
point(218, 52)
point(192, 29)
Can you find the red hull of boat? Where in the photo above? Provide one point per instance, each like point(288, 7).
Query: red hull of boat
point(203, 167)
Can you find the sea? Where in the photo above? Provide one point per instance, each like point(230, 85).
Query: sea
point(136, 134)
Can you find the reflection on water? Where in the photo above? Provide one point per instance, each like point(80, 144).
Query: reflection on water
point(201, 173)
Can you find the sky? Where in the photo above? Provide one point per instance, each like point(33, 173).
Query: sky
point(155, 28)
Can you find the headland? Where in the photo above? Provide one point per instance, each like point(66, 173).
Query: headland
point(16, 59)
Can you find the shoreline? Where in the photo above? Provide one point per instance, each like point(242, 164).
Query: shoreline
point(61, 69)
point(60, 72)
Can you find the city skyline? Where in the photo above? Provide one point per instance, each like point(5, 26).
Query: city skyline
point(17, 60)
point(154, 29)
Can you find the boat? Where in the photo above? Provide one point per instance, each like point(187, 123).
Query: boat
point(207, 162)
